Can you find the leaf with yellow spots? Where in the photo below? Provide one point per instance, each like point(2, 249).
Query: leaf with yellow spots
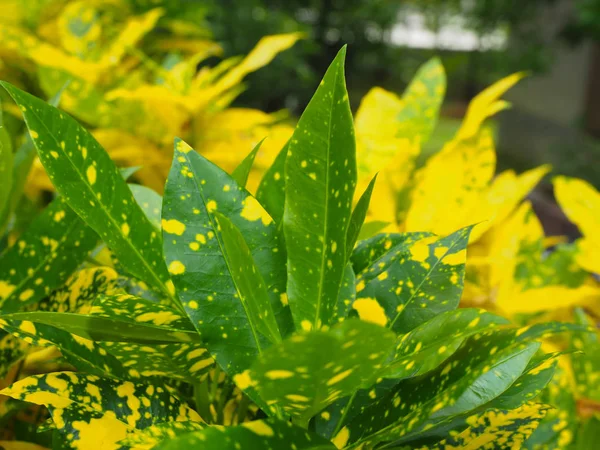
point(347, 294)
point(431, 343)
point(11, 350)
point(510, 428)
point(97, 412)
point(490, 359)
point(370, 250)
point(156, 324)
point(44, 256)
point(413, 283)
point(89, 182)
point(320, 177)
point(309, 371)
point(153, 435)
point(80, 290)
point(195, 250)
point(242, 171)
point(251, 289)
point(271, 190)
point(256, 435)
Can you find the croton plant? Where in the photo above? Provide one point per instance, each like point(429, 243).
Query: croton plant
point(212, 318)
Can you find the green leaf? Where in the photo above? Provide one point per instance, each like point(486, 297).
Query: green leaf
point(149, 201)
point(512, 428)
point(97, 412)
point(358, 217)
point(257, 435)
point(43, 257)
point(195, 253)
point(347, 294)
point(88, 180)
point(466, 381)
point(431, 343)
point(241, 172)
point(320, 178)
point(6, 167)
point(153, 435)
point(148, 327)
point(368, 251)
point(251, 289)
point(309, 371)
point(422, 100)
point(127, 172)
point(415, 284)
point(22, 161)
point(11, 350)
point(271, 190)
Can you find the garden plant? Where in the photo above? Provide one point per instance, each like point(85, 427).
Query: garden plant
point(225, 320)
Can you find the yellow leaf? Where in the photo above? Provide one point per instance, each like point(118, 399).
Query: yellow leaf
point(450, 187)
point(581, 203)
point(486, 104)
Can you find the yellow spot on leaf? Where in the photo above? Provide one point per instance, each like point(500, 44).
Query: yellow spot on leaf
point(26, 294)
point(27, 327)
point(279, 374)
point(211, 206)
point(306, 325)
point(173, 226)
point(59, 215)
point(341, 439)
point(339, 377)
point(370, 310)
point(34, 134)
point(243, 380)
point(91, 174)
point(194, 246)
point(176, 268)
point(125, 229)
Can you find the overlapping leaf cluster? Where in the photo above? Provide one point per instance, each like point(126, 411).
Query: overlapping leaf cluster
point(513, 268)
point(129, 71)
point(264, 313)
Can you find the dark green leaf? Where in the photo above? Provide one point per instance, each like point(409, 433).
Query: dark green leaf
point(251, 289)
point(309, 371)
point(320, 178)
point(88, 180)
point(43, 257)
point(97, 412)
point(257, 435)
point(194, 250)
point(415, 284)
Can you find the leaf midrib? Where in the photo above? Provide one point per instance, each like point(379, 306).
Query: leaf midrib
point(105, 211)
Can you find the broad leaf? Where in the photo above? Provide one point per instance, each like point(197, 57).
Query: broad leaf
point(512, 428)
point(43, 257)
point(428, 345)
point(88, 180)
point(257, 435)
point(99, 412)
point(251, 289)
point(195, 253)
point(271, 190)
point(309, 371)
point(241, 172)
point(320, 177)
point(412, 285)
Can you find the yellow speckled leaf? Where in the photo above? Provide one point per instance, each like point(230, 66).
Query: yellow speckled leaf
point(99, 412)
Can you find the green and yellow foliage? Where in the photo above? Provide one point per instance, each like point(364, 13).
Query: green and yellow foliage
point(331, 286)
